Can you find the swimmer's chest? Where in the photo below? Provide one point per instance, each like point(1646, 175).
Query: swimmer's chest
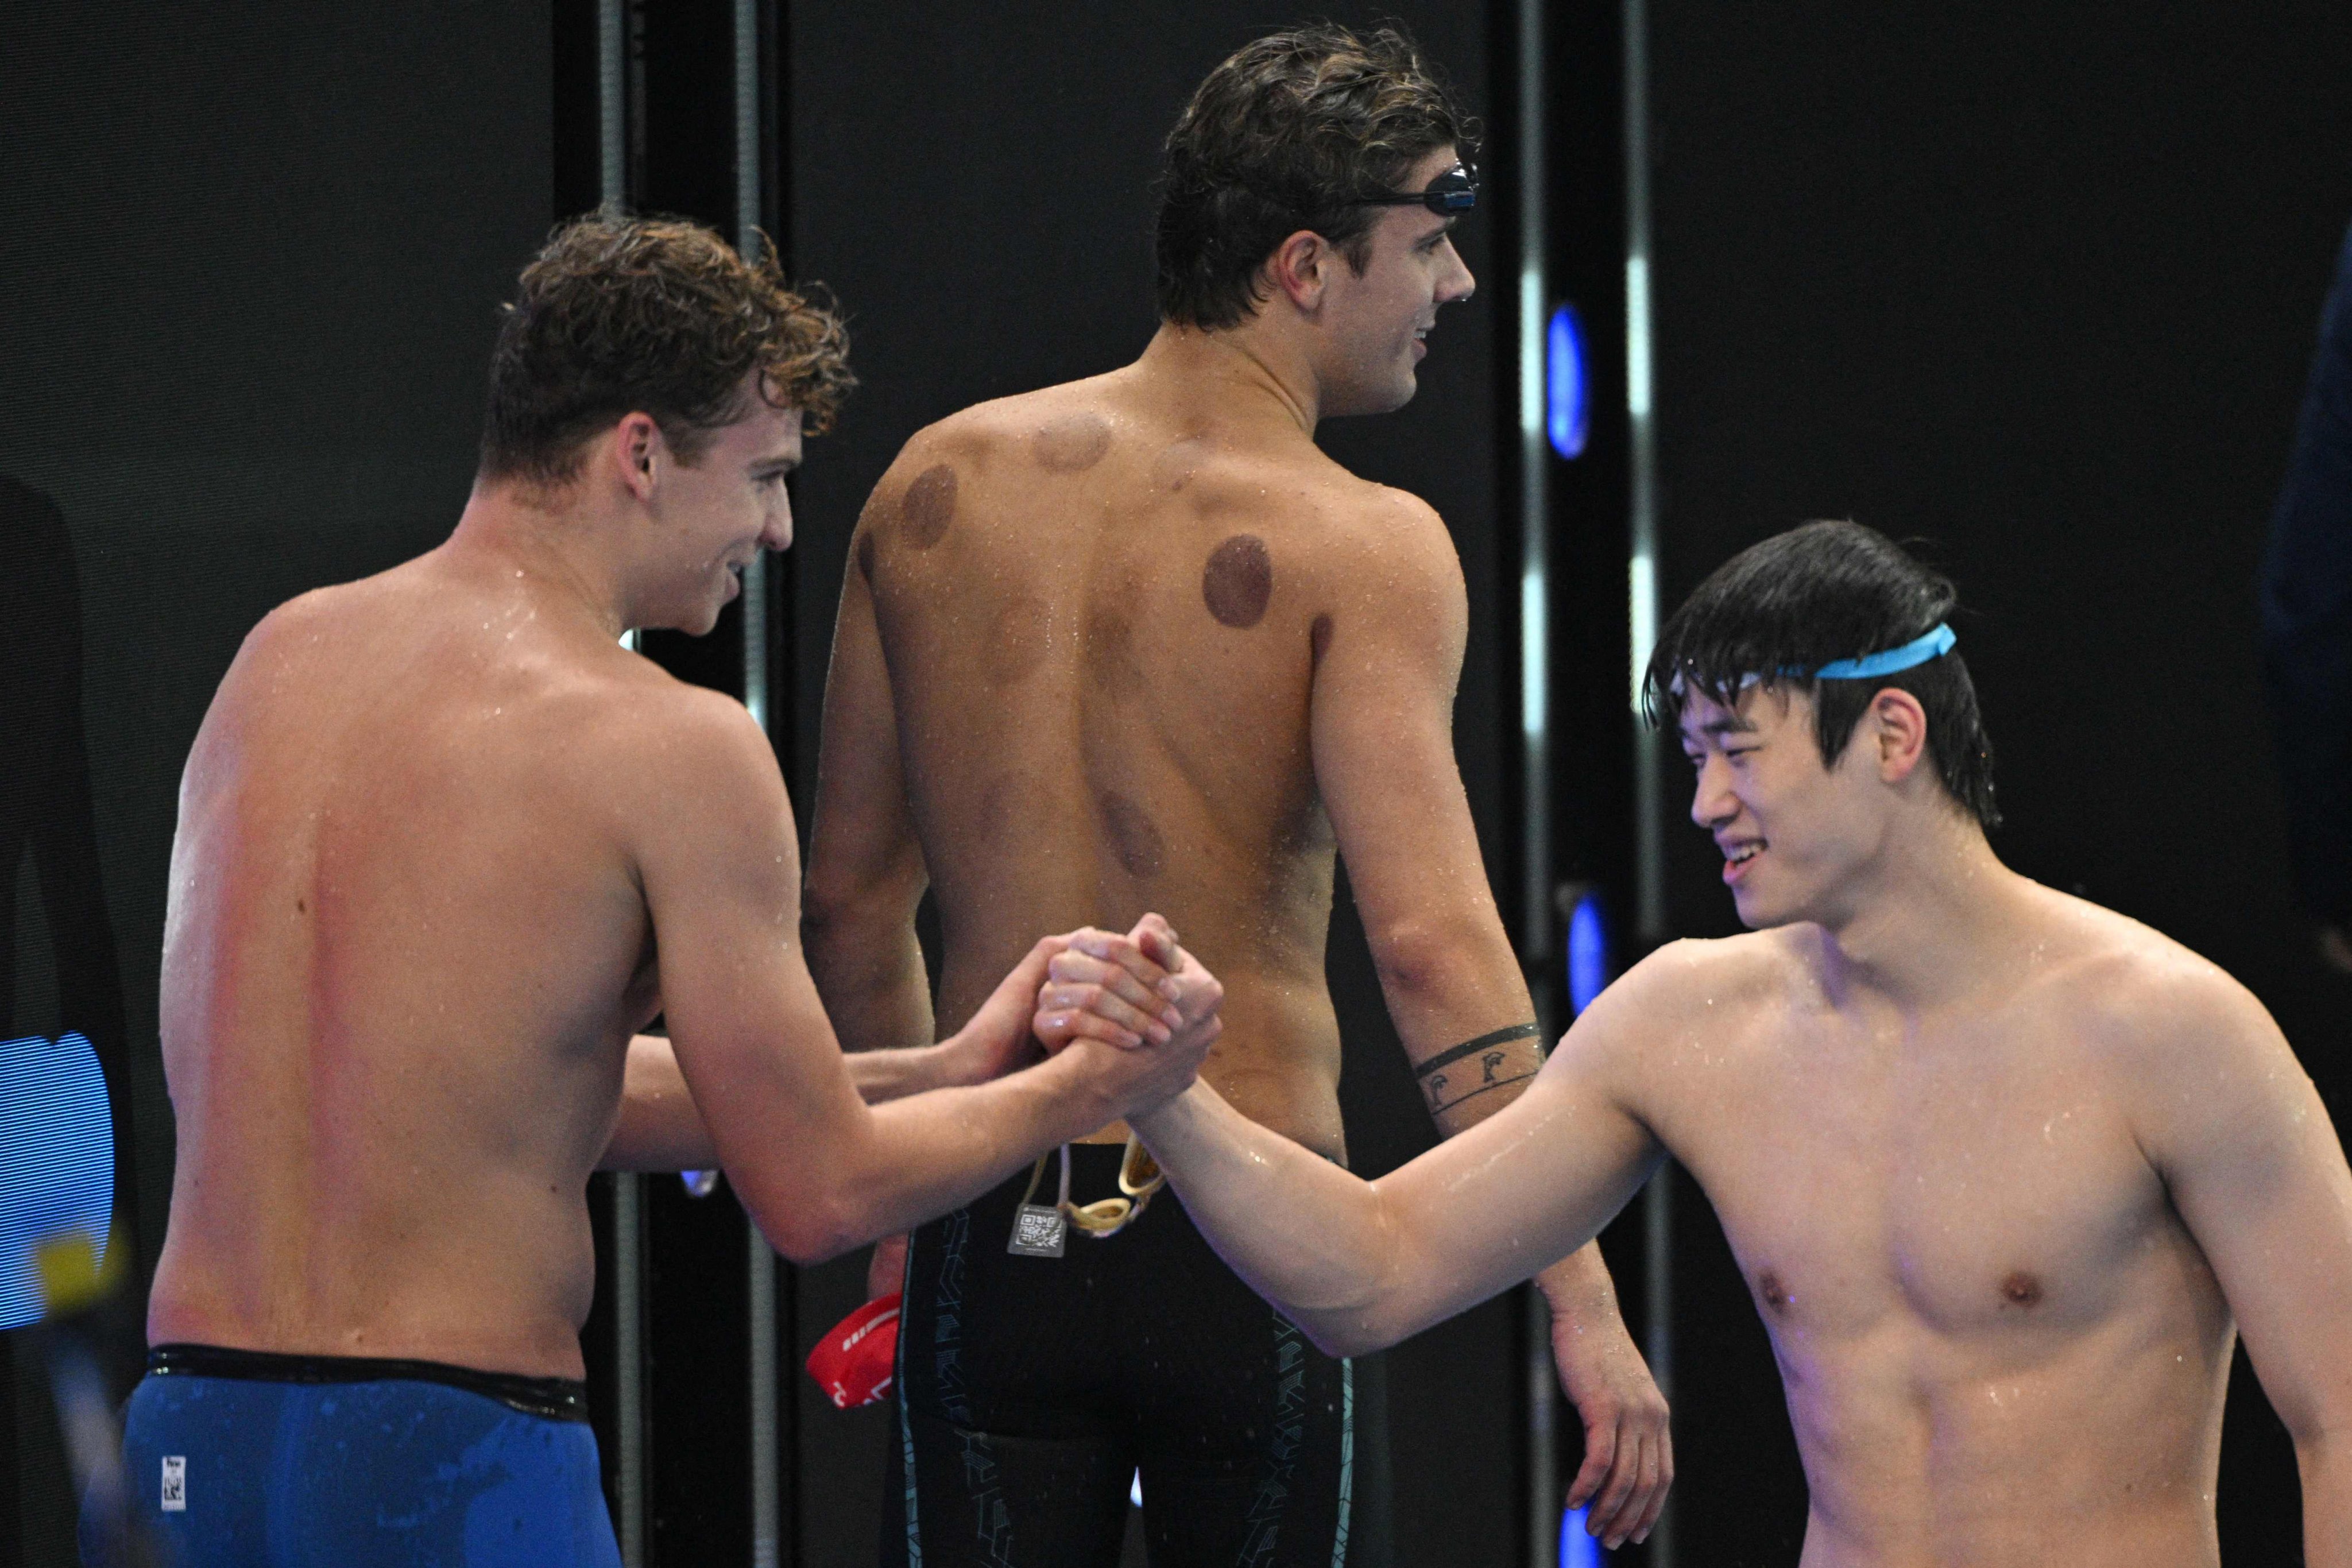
point(1982, 1183)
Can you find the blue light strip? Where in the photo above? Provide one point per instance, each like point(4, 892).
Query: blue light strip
point(1588, 952)
point(1577, 1549)
point(1568, 383)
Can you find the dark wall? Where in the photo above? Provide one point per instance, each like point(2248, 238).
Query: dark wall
point(975, 187)
point(254, 254)
point(2036, 285)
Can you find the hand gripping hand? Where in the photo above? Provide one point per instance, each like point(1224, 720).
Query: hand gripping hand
point(1141, 993)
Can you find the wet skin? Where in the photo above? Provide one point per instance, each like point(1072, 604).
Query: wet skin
point(443, 846)
point(1135, 643)
point(2005, 1172)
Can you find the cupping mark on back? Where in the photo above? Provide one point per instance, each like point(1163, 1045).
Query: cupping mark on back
point(1023, 628)
point(1133, 836)
point(1238, 580)
point(1110, 648)
point(928, 505)
point(1072, 443)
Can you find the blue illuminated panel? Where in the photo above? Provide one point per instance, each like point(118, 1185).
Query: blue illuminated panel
point(1588, 952)
point(1568, 383)
point(56, 1159)
point(1577, 1549)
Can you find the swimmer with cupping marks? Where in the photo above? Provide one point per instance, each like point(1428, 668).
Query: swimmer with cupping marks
point(443, 846)
point(2005, 1172)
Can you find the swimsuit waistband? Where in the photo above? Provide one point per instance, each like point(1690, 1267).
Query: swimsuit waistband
point(551, 1398)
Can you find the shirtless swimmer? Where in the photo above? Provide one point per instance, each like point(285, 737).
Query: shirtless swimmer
point(2007, 1173)
point(443, 846)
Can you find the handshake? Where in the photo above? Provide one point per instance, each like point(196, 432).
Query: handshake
point(1125, 1021)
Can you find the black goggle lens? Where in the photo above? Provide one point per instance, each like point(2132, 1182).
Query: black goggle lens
point(1455, 191)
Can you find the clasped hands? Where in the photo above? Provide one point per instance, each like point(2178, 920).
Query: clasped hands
point(1136, 993)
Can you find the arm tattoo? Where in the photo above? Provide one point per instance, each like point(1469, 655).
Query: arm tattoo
point(1444, 1059)
point(1439, 1105)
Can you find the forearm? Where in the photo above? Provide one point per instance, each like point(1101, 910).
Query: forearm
point(1582, 1294)
point(1303, 1232)
point(869, 969)
point(659, 1128)
point(925, 1154)
point(883, 1075)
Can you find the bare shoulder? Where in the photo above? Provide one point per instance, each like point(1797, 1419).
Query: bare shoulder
point(1064, 428)
point(685, 758)
point(2167, 1019)
point(1696, 997)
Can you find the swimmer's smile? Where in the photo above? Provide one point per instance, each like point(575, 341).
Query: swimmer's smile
point(1738, 854)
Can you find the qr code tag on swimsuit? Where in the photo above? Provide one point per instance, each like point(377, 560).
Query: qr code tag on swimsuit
point(175, 1483)
point(1038, 1232)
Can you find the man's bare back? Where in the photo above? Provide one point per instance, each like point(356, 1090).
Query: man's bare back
point(430, 833)
point(1102, 618)
point(405, 956)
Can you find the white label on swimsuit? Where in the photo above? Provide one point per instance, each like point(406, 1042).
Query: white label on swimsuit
point(1038, 1232)
point(175, 1483)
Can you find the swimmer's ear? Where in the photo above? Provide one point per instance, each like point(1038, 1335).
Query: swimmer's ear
point(635, 442)
point(1896, 729)
point(1299, 269)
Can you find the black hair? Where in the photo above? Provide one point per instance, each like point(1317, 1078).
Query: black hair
point(1800, 599)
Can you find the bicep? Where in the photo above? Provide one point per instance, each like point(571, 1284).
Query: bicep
point(1509, 1197)
point(1382, 733)
point(2255, 1169)
point(720, 875)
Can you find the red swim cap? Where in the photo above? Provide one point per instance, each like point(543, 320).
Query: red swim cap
point(855, 1362)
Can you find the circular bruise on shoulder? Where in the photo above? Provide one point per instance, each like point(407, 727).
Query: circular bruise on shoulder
point(1238, 581)
point(928, 505)
point(1072, 444)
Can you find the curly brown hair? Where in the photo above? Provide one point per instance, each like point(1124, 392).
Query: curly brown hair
point(1292, 132)
point(620, 314)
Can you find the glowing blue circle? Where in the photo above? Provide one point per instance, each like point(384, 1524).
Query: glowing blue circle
point(1588, 952)
point(56, 1159)
point(1568, 383)
point(1577, 1549)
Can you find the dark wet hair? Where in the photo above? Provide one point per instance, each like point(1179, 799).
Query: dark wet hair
point(620, 314)
point(1824, 591)
point(1292, 132)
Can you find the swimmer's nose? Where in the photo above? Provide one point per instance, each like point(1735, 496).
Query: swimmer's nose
point(778, 534)
point(1457, 285)
point(1712, 801)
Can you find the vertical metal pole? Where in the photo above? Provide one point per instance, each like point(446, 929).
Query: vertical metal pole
point(629, 1358)
point(1534, 726)
point(1649, 780)
point(628, 1197)
point(612, 103)
point(750, 196)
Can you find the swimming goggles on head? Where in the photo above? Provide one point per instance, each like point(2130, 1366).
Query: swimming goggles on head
point(1455, 191)
point(1869, 666)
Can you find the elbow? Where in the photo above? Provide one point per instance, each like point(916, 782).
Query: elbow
point(1423, 959)
point(812, 1230)
point(1343, 1335)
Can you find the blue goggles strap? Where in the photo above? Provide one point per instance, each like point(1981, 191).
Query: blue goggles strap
point(1933, 645)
